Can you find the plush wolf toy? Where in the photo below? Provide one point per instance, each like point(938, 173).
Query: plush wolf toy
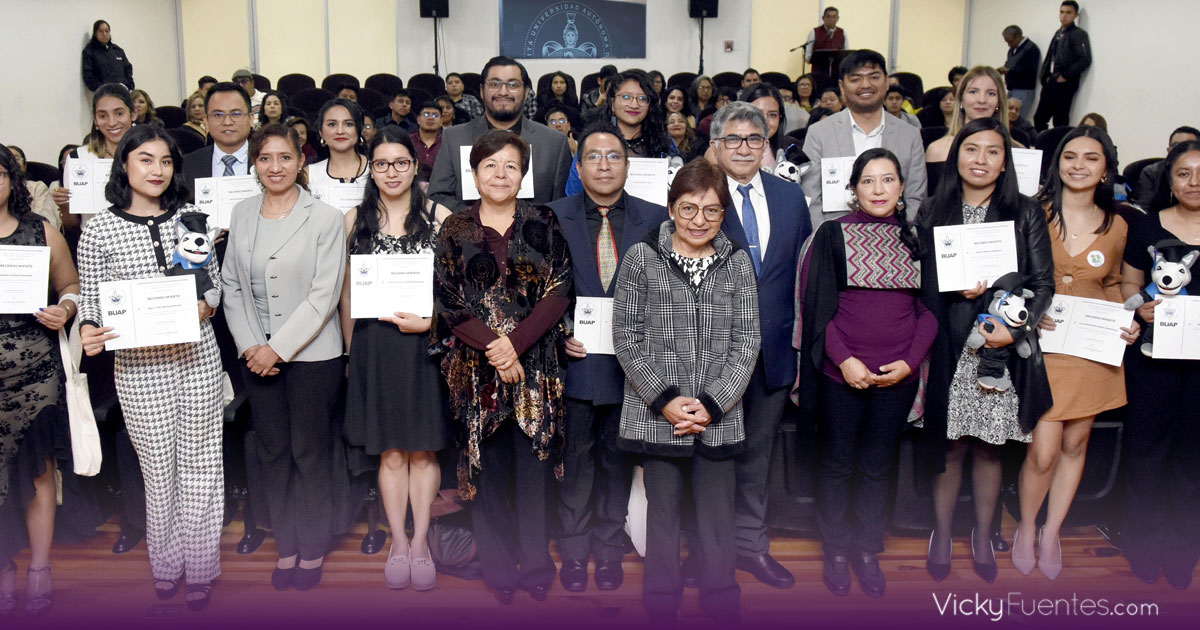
point(1172, 272)
point(1008, 307)
point(193, 249)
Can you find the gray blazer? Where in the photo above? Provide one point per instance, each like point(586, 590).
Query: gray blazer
point(304, 281)
point(551, 162)
point(832, 137)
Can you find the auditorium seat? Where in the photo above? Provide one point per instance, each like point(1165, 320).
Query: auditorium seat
point(187, 139)
point(311, 100)
point(431, 83)
point(683, 80)
point(171, 116)
point(911, 83)
point(420, 95)
point(930, 134)
point(293, 84)
point(42, 172)
point(471, 83)
point(261, 83)
point(732, 80)
point(792, 480)
point(1133, 171)
point(543, 83)
point(384, 83)
point(778, 79)
point(372, 100)
point(334, 82)
point(1047, 142)
point(589, 83)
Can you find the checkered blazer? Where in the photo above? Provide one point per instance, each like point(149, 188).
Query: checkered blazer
point(673, 340)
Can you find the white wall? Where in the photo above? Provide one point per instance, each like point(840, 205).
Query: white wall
point(45, 104)
point(1142, 78)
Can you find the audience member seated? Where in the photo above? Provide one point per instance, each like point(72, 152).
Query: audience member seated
point(561, 92)
point(197, 121)
point(469, 103)
point(894, 104)
point(564, 120)
point(831, 99)
point(401, 112)
point(427, 139)
point(41, 202)
point(245, 80)
point(143, 109)
point(1095, 120)
point(804, 92)
point(937, 108)
point(1148, 181)
point(274, 109)
point(300, 124)
point(690, 144)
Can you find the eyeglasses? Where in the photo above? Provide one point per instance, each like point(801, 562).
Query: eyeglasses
point(381, 166)
point(688, 211)
point(558, 122)
point(368, 126)
point(642, 99)
point(431, 114)
point(732, 142)
point(235, 116)
point(512, 84)
point(612, 157)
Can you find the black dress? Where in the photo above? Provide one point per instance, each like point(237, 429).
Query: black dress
point(33, 418)
point(396, 397)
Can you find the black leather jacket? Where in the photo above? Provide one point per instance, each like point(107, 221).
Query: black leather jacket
point(1070, 52)
point(106, 63)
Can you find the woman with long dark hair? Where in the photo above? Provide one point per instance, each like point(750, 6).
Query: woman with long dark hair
point(143, 108)
point(33, 429)
point(395, 394)
point(1161, 469)
point(274, 108)
point(1088, 240)
point(339, 126)
point(702, 97)
point(766, 98)
point(170, 394)
point(561, 92)
point(960, 415)
point(103, 61)
point(863, 333)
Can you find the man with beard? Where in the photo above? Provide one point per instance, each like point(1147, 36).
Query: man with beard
point(860, 126)
point(503, 92)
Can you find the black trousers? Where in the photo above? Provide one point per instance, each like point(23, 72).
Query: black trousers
point(1055, 102)
point(509, 511)
point(713, 485)
point(593, 497)
point(1160, 467)
point(293, 416)
point(857, 439)
point(762, 409)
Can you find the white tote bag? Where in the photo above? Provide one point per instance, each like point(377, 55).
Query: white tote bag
point(635, 518)
point(85, 437)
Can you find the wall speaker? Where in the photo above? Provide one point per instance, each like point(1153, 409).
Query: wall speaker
point(702, 8)
point(435, 8)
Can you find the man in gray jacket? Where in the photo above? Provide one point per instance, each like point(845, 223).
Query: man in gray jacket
point(862, 125)
point(505, 84)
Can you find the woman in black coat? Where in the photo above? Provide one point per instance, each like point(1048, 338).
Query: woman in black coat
point(104, 61)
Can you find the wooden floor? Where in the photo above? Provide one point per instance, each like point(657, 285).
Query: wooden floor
point(94, 589)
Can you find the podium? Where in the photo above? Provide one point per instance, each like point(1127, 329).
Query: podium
point(826, 62)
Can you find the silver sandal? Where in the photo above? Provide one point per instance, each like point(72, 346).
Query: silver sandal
point(38, 581)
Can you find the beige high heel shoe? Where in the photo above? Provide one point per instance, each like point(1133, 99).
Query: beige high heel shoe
point(1050, 567)
point(1024, 565)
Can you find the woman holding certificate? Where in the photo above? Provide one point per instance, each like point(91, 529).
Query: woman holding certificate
point(395, 393)
point(283, 278)
point(502, 281)
point(1161, 468)
point(170, 392)
point(980, 186)
point(33, 427)
point(112, 118)
point(1088, 240)
point(864, 334)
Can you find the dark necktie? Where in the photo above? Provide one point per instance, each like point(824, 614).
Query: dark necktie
point(750, 225)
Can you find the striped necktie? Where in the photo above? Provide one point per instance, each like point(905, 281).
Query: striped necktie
point(228, 161)
point(606, 249)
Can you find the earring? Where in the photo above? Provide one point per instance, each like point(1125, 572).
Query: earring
point(900, 204)
point(1104, 180)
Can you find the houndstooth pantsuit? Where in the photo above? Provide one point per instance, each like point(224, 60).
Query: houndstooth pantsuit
point(170, 397)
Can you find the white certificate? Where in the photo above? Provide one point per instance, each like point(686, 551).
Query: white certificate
point(471, 193)
point(24, 278)
point(835, 174)
point(382, 285)
point(344, 196)
point(967, 254)
point(593, 324)
point(1177, 328)
point(647, 179)
point(1087, 328)
point(1029, 170)
point(150, 311)
point(216, 196)
point(86, 179)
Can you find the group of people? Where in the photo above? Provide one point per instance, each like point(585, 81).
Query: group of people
point(744, 295)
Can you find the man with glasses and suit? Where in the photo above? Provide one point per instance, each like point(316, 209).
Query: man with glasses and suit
point(600, 224)
point(505, 85)
point(769, 219)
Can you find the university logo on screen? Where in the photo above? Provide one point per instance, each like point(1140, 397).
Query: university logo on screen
point(589, 42)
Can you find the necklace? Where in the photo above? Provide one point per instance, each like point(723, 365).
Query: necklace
point(262, 211)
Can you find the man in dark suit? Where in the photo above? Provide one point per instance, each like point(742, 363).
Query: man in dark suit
point(227, 107)
point(600, 225)
point(769, 219)
point(503, 90)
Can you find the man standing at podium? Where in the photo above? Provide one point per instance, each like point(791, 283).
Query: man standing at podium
point(824, 43)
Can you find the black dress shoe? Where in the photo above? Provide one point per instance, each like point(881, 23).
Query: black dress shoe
point(767, 570)
point(986, 570)
point(573, 575)
point(609, 575)
point(870, 576)
point(283, 579)
point(538, 592)
point(505, 595)
point(1144, 569)
point(837, 574)
point(251, 541)
point(305, 579)
point(1178, 577)
point(999, 543)
point(690, 571)
point(127, 541)
point(937, 570)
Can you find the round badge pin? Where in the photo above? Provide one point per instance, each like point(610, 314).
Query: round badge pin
point(1095, 258)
